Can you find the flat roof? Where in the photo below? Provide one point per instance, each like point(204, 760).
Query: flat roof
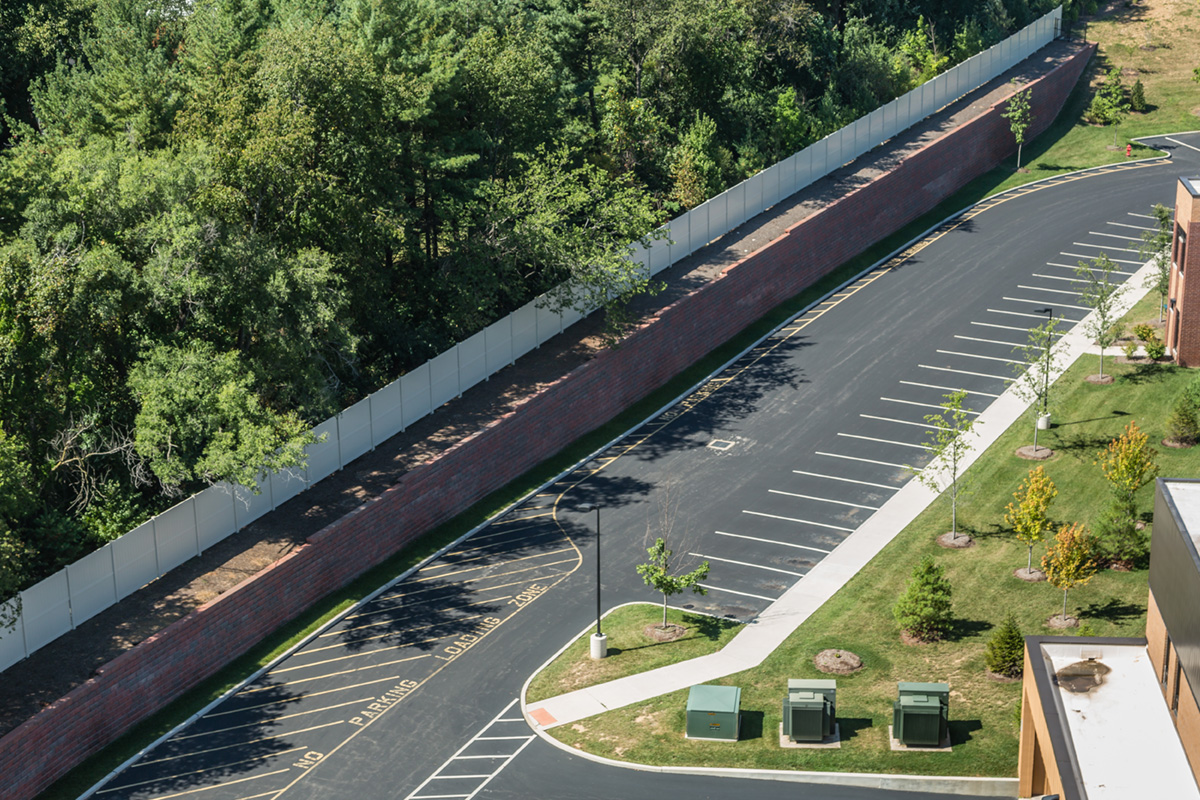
point(1193, 185)
point(1124, 741)
point(1186, 496)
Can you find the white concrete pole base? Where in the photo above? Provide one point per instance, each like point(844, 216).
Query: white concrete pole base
point(1043, 422)
point(599, 645)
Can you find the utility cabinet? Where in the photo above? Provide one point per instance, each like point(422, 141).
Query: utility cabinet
point(714, 712)
point(921, 714)
point(809, 710)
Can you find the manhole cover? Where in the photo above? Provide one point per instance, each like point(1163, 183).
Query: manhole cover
point(1082, 676)
point(720, 444)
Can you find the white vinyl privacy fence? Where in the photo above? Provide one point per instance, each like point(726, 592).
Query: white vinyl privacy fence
point(85, 588)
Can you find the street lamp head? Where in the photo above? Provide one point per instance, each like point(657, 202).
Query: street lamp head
point(1043, 311)
point(589, 507)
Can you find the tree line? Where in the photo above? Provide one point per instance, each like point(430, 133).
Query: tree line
point(223, 220)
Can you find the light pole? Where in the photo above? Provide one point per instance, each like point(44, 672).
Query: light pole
point(1049, 343)
point(599, 640)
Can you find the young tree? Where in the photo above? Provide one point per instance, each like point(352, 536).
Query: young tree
point(1005, 652)
point(1128, 464)
point(1156, 247)
point(1027, 516)
point(1041, 359)
point(1137, 97)
point(1019, 116)
point(1109, 105)
point(949, 443)
point(658, 575)
point(923, 611)
point(1100, 294)
point(1070, 560)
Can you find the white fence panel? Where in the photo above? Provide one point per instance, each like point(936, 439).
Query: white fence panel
point(354, 425)
point(134, 559)
point(756, 194)
point(771, 181)
point(735, 205)
point(443, 377)
point(524, 329)
point(93, 585)
point(718, 216)
point(499, 340)
point(414, 395)
point(549, 323)
point(46, 610)
point(174, 536)
point(12, 641)
point(214, 517)
point(249, 506)
point(698, 227)
point(658, 256)
point(387, 414)
point(286, 484)
point(679, 234)
point(323, 459)
point(472, 360)
point(805, 168)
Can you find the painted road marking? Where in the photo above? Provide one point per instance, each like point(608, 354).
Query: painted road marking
point(1045, 289)
point(1106, 247)
point(199, 771)
point(926, 425)
point(270, 721)
point(1010, 327)
point(946, 389)
point(922, 405)
point(843, 480)
point(774, 541)
point(1022, 314)
point(824, 499)
point(391, 621)
point(521, 519)
point(712, 588)
point(1057, 304)
point(987, 341)
point(380, 649)
point(333, 674)
point(431, 589)
point(885, 441)
point(498, 564)
point(1089, 258)
point(1124, 236)
point(485, 777)
point(864, 460)
point(801, 521)
point(1138, 227)
point(1056, 278)
point(239, 744)
point(964, 372)
point(986, 358)
point(224, 784)
point(300, 697)
point(747, 564)
point(1181, 144)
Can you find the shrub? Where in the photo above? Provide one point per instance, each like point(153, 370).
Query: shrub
point(1155, 348)
point(1130, 349)
point(1137, 96)
point(1181, 425)
point(1144, 332)
point(1005, 653)
point(923, 611)
point(1118, 538)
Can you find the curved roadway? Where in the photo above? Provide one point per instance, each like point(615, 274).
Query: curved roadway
point(762, 471)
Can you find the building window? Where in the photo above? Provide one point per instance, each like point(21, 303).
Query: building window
point(1166, 660)
point(1180, 246)
point(1175, 692)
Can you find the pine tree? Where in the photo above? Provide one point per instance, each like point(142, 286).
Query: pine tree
point(1005, 653)
point(1137, 97)
point(923, 611)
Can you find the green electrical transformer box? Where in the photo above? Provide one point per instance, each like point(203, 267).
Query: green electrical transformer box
point(809, 710)
point(921, 714)
point(714, 712)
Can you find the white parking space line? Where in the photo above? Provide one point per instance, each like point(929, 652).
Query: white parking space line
point(1106, 247)
point(1182, 144)
point(843, 480)
point(1124, 236)
point(801, 521)
point(238, 744)
point(224, 784)
point(746, 564)
point(885, 441)
point(1056, 303)
point(1137, 227)
point(1089, 258)
point(1042, 317)
point(1143, 216)
point(946, 389)
point(1055, 278)
point(485, 777)
point(270, 721)
point(864, 460)
point(988, 341)
point(773, 541)
point(712, 588)
point(824, 499)
point(965, 372)
point(1045, 289)
point(927, 426)
point(206, 769)
point(301, 697)
point(986, 358)
point(335, 674)
point(923, 405)
point(1010, 327)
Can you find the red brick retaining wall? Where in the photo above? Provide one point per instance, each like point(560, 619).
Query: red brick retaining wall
point(150, 675)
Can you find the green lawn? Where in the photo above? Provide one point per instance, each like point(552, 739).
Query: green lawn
point(630, 650)
point(983, 712)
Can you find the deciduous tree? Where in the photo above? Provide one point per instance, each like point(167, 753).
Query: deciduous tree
point(1070, 560)
point(1027, 516)
point(659, 575)
point(1100, 294)
point(949, 444)
point(1019, 117)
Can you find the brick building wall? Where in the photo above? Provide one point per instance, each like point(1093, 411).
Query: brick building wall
point(147, 677)
point(1183, 295)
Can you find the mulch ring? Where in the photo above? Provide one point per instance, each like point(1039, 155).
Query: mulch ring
point(837, 662)
point(913, 641)
point(668, 634)
point(1028, 453)
point(1176, 444)
point(955, 542)
point(1059, 623)
point(1030, 575)
point(1099, 379)
point(998, 678)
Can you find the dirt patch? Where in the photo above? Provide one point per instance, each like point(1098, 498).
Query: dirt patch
point(998, 678)
point(1176, 444)
point(955, 542)
point(665, 634)
point(1030, 575)
point(837, 662)
point(1059, 622)
point(914, 641)
point(1103, 380)
point(1029, 454)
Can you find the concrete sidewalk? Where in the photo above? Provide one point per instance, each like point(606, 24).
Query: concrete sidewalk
point(766, 633)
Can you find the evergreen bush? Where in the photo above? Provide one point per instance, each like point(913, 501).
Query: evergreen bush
point(1005, 653)
point(923, 611)
point(1137, 97)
